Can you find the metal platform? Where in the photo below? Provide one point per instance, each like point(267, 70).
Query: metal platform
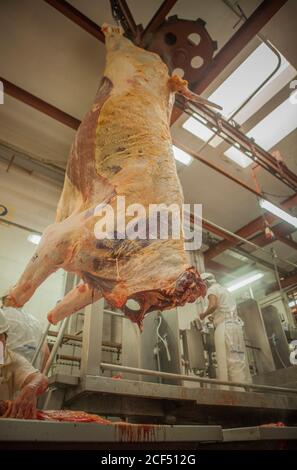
point(260, 433)
point(258, 438)
point(32, 434)
point(147, 401)
point(15, 433)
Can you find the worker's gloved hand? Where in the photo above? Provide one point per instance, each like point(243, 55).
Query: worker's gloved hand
point(24, 406)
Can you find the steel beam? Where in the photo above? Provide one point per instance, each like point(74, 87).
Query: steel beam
point(259, 18)
point(78, 18)
point(158, 18)
point(252, 227)
point(39, 104)
point(235, 136)
point(280, 230)
point(218, 169)
point(289, 281)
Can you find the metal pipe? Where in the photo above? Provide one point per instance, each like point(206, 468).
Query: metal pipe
point(241, 15)
point(258, 19)
point(233, 135)
point(252, 227)
point(115, 314)
point(251, 96)
point(66, 336)
point(40, 344)
point(218, 169)
point(56, 346)
point(22, 227)
point(169, 375)
point(244, 240)
point(108, 344)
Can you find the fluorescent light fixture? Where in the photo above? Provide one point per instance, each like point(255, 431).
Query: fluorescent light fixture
point(247, 78)
point(198, 129)
point(181, 156)
point(241, 84)
point(238, 157)
point(278, 212)
point(245, 282)
point(268, 132)
point(34, 238)
point(236, 255)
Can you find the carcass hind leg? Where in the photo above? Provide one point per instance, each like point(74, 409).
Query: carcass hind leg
point(78, 298)
point(32, 277)
point(46, 260)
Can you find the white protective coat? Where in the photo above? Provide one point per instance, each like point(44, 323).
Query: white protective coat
point(230, 348)
point(24, 332)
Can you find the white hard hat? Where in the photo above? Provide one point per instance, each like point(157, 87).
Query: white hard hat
point(208, 277)
point(3, 323)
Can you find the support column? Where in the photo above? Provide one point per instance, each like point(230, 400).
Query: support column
point(92, 339)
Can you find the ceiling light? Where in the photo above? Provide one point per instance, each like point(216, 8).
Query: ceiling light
point(244, 282)
point(293, 303)
point(238, 157)
point(230, 96)
point(198, 129)
point(181, 156)
point(34, 238)
point(268, 132)
point(236, 255)
point(278, 212)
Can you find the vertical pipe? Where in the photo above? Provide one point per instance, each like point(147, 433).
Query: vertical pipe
point(56, 346)
point(40, 344)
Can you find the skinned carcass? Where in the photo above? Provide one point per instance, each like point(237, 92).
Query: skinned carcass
point(122, 148)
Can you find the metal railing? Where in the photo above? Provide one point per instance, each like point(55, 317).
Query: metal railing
point(171, 376)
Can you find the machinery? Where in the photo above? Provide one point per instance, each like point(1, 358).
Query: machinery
point(101, 363)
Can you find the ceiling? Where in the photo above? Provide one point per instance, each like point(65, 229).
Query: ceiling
point(51, 57)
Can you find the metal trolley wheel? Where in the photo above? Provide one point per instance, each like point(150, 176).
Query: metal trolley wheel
point(185, 46)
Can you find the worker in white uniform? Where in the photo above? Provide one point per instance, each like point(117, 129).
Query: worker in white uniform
point(19, 380)
point(232, 364)
point(25, 334)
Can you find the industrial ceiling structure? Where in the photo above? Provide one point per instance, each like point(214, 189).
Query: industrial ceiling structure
point(190, 349)
point(51, 67)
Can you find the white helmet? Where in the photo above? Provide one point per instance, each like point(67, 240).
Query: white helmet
point(3, 323)
point(208, 277)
